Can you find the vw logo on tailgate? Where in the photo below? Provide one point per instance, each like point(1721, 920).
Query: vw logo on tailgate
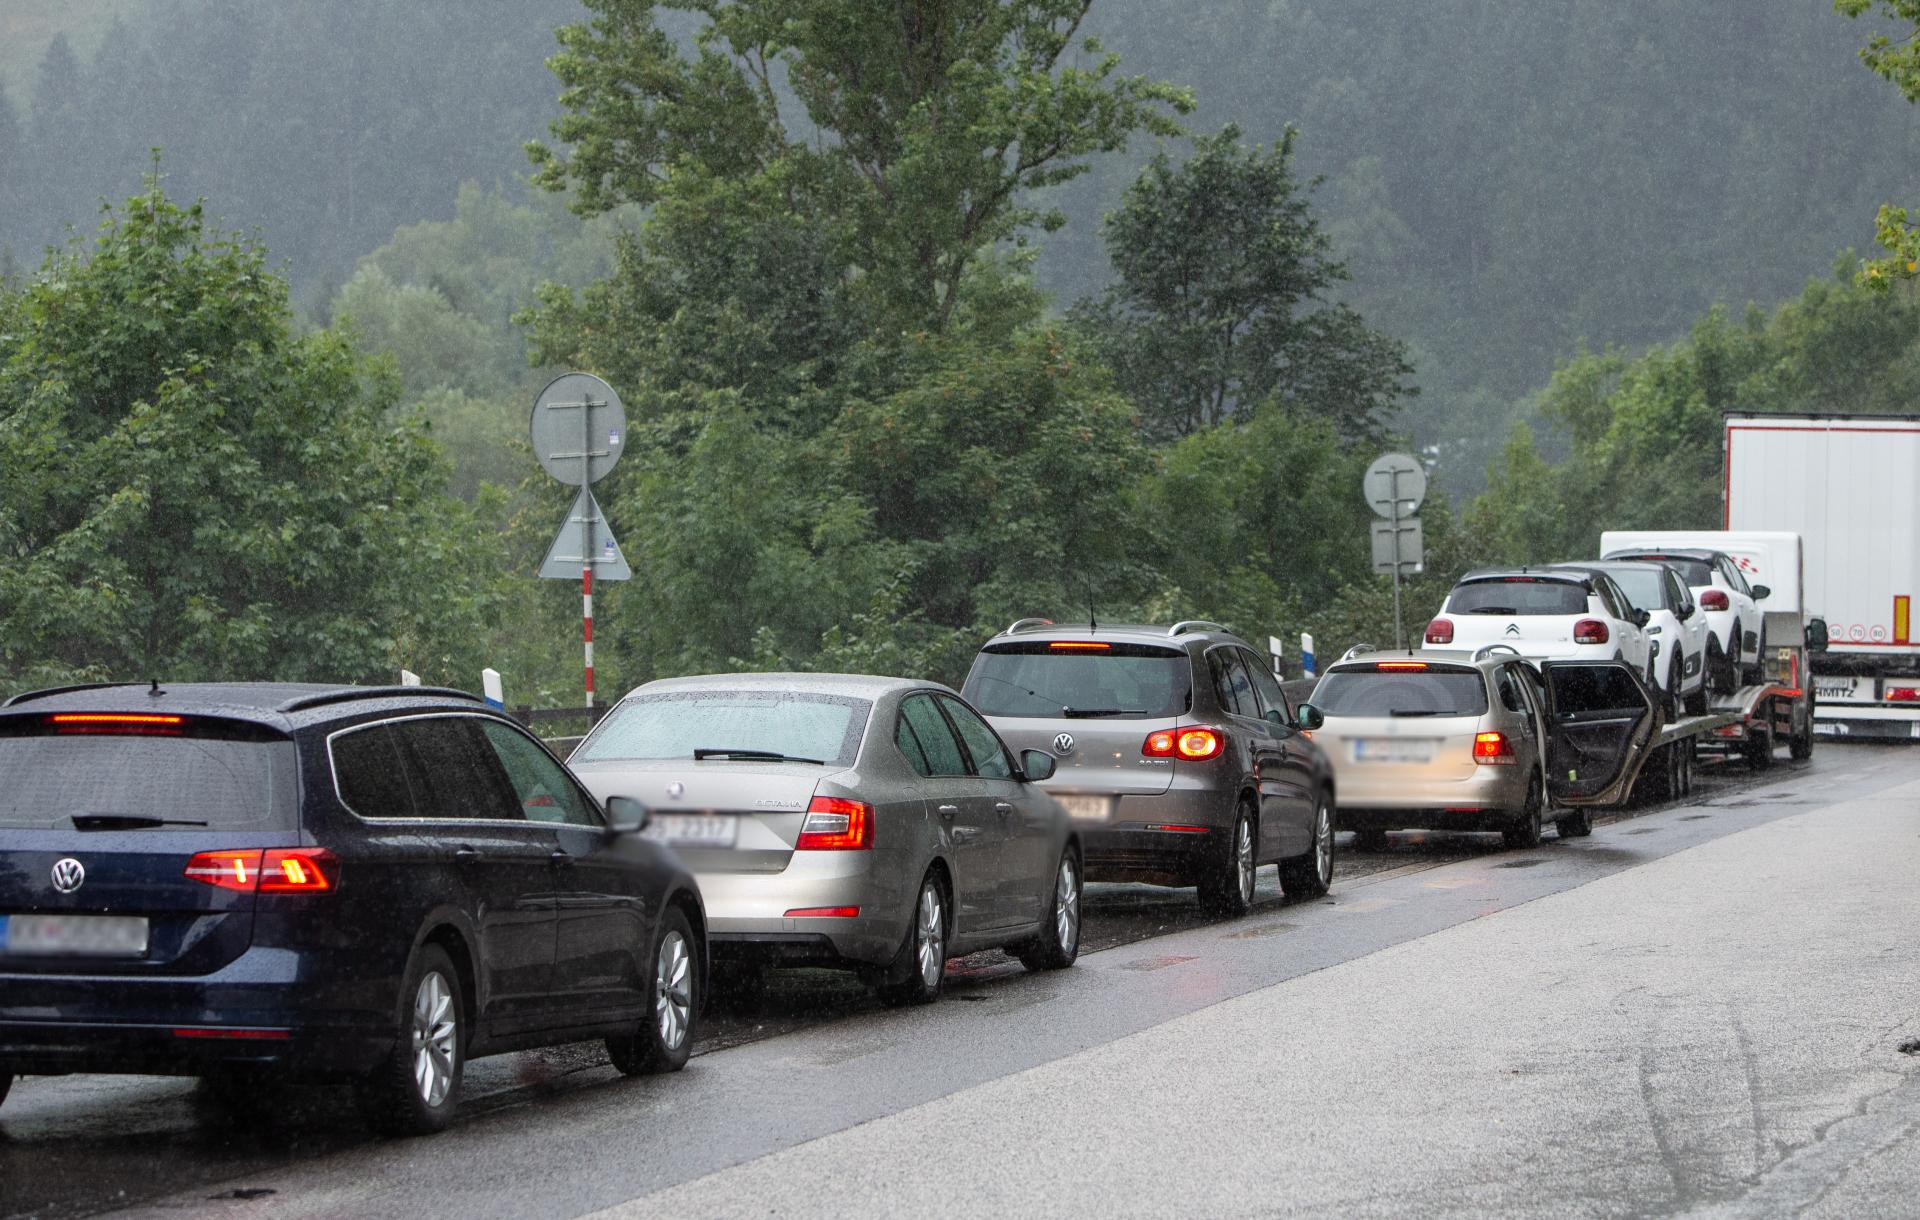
point(68, 874)
point(1063, 744)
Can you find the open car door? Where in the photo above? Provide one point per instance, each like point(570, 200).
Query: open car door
point(1601, 722)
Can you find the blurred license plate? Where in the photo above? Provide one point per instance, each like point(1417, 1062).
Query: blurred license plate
point(74, 935)
point(1388, 749)
point(1087, 808)
point(693, 829)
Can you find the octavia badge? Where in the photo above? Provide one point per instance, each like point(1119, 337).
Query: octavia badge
point(1063, 744)
point(68, 874)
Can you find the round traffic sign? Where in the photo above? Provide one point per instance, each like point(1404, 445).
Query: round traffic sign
point(578, 422)
point(1395, 478)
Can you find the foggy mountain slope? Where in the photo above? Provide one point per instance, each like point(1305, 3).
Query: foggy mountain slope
point(1505, 178)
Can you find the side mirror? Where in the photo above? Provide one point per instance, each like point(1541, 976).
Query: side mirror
point(1278, 720)
point(626, 816)
point(1686, 611)
point(1308, 717)
point(1036, 765)
point(1640, 618)
point(1761, 593)
point(1816, 635)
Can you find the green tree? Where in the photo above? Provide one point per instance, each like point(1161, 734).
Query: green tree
point(1223, 299)
point(1898, 60)
point(923, 125)
point(191, 490)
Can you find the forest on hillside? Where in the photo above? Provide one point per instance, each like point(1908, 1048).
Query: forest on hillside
point(1503, 189)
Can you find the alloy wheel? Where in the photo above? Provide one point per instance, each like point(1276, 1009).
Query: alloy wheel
point(930, 931)
point(673, 989)
point(1066, 906)
point(1323, 845)
point(1243, 859)
point(436, 1033)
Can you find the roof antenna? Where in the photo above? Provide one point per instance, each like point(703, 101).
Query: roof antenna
point(156, 691)
point(1092, 625)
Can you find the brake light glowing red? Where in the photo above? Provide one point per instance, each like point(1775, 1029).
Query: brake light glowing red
point(1491, 748)
point(836, 824)
point(1440, 631)
point(1400, 666)
point(823, 912)
point(1590, 631)
point(1192, 744)
point(1713, 599)
point(278, 870)
point(1902, 694)
point(1080, 646)
point(114, 722)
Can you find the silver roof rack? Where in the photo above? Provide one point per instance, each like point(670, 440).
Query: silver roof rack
point(1355, 651)
point(1196, 624)
point(1486, 650)
point(1028, 624)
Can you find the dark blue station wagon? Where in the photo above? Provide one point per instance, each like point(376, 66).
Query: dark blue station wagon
point(358, 884)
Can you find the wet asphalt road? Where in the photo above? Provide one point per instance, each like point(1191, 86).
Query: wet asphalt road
point(80, 1145)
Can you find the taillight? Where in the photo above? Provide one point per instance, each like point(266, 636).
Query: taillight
point(115, 722)
point(1440, 631)
point(278, 870)
point(1589, 631)
point(1713, 599)
point(1901, 694)
point(836, 824)
point(1194, 745)
point(1492, 748)
point(824, 913)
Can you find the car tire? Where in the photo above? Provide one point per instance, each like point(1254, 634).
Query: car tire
point(1720, 671)
point(919, 969)
point(415, 1089)
point(1058, 942)
point(1526, 832)
point(1673, 691)
point(1696, 703)
point(1575, 825)
point(1310, 875)
point(664, 1038)
point(1227, 886)
point(6, 1086)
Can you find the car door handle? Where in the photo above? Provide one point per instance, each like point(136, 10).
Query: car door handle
point(949, 812)
point(1003, 809)
point(467, 855)
point(561, 859)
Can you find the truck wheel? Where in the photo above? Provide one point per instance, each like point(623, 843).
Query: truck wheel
point(1684, 751)
point(1759, 747)
point(1800, 746)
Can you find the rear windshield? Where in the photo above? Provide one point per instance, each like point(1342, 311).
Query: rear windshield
point(232, 779)
point(1378, 692)
point(673, 724)
point(1694, 573)
point(1117, 681)
point(1518, 595)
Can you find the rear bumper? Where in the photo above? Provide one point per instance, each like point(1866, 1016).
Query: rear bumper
point(747, 912)
point(1364, 789)
point(1126, 847)
point(262, 1008)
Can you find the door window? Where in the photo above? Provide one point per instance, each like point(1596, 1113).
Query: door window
point(1509, 688)
point(1267, 687)
point(1231, 684)
point(937, 742)
point(372, 778)
point(990, 759)
point(910, 746)
point(1736, 579)
point(462, 778)
point(540, 785)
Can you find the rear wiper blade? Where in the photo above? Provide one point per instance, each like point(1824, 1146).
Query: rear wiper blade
point(1084, 712)
point(753, 755)
point(125, 821)
point(1494, 610)
point(1412, 712)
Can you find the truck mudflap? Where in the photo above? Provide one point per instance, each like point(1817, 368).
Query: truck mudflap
point(1601, 724)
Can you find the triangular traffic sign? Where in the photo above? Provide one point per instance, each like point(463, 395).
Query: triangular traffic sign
point(569, 552)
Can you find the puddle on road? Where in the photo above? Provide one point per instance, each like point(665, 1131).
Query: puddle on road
point(1644, 830)
point(1157, 963)
point(1520, 864)
point(1695, 817)
point(1259, 930)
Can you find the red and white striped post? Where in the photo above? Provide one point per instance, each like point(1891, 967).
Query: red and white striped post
point(586, 611)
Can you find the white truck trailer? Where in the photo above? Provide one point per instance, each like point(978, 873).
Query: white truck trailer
point(1849, 486)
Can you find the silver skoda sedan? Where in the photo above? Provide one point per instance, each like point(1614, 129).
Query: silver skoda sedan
point(874, 824)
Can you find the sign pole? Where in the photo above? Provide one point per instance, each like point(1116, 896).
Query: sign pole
point(1399, 635)
point(586, 550)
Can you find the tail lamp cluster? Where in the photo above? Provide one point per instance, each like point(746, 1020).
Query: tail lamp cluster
point(1713, 599)
point(1492, 749)
point(1590, 631)
point(1192, 744)
point(836, 824)
point(274, 870)
point(1440, 631)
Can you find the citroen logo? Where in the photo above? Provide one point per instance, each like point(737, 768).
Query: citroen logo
point(68, 874)
point(1063, 744)
point(676, 790)
point(1513, 629)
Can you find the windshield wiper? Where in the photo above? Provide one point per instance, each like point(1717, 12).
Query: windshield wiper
point(1085, 712)
point(1412, 712)
point(1031, 694)
point(753, 755)
point(1494, 610)
point(125, 821)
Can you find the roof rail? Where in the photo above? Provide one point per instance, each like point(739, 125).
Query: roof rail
point(1353, 652)
point(1486, 650)
point(48, 692)
point(347, 694)
point(1196, 624)
point(1028, 624)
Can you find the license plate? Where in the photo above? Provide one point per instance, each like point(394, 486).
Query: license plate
point(694, 829)
point(73, 935)
point(1087, 808)
point(1390, 749)
point(1827, 689)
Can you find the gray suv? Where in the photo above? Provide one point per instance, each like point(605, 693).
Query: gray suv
point(1178, 756)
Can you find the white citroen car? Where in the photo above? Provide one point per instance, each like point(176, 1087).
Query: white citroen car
point(1546, 614)
point(1729, 604)
point(1676, 630)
